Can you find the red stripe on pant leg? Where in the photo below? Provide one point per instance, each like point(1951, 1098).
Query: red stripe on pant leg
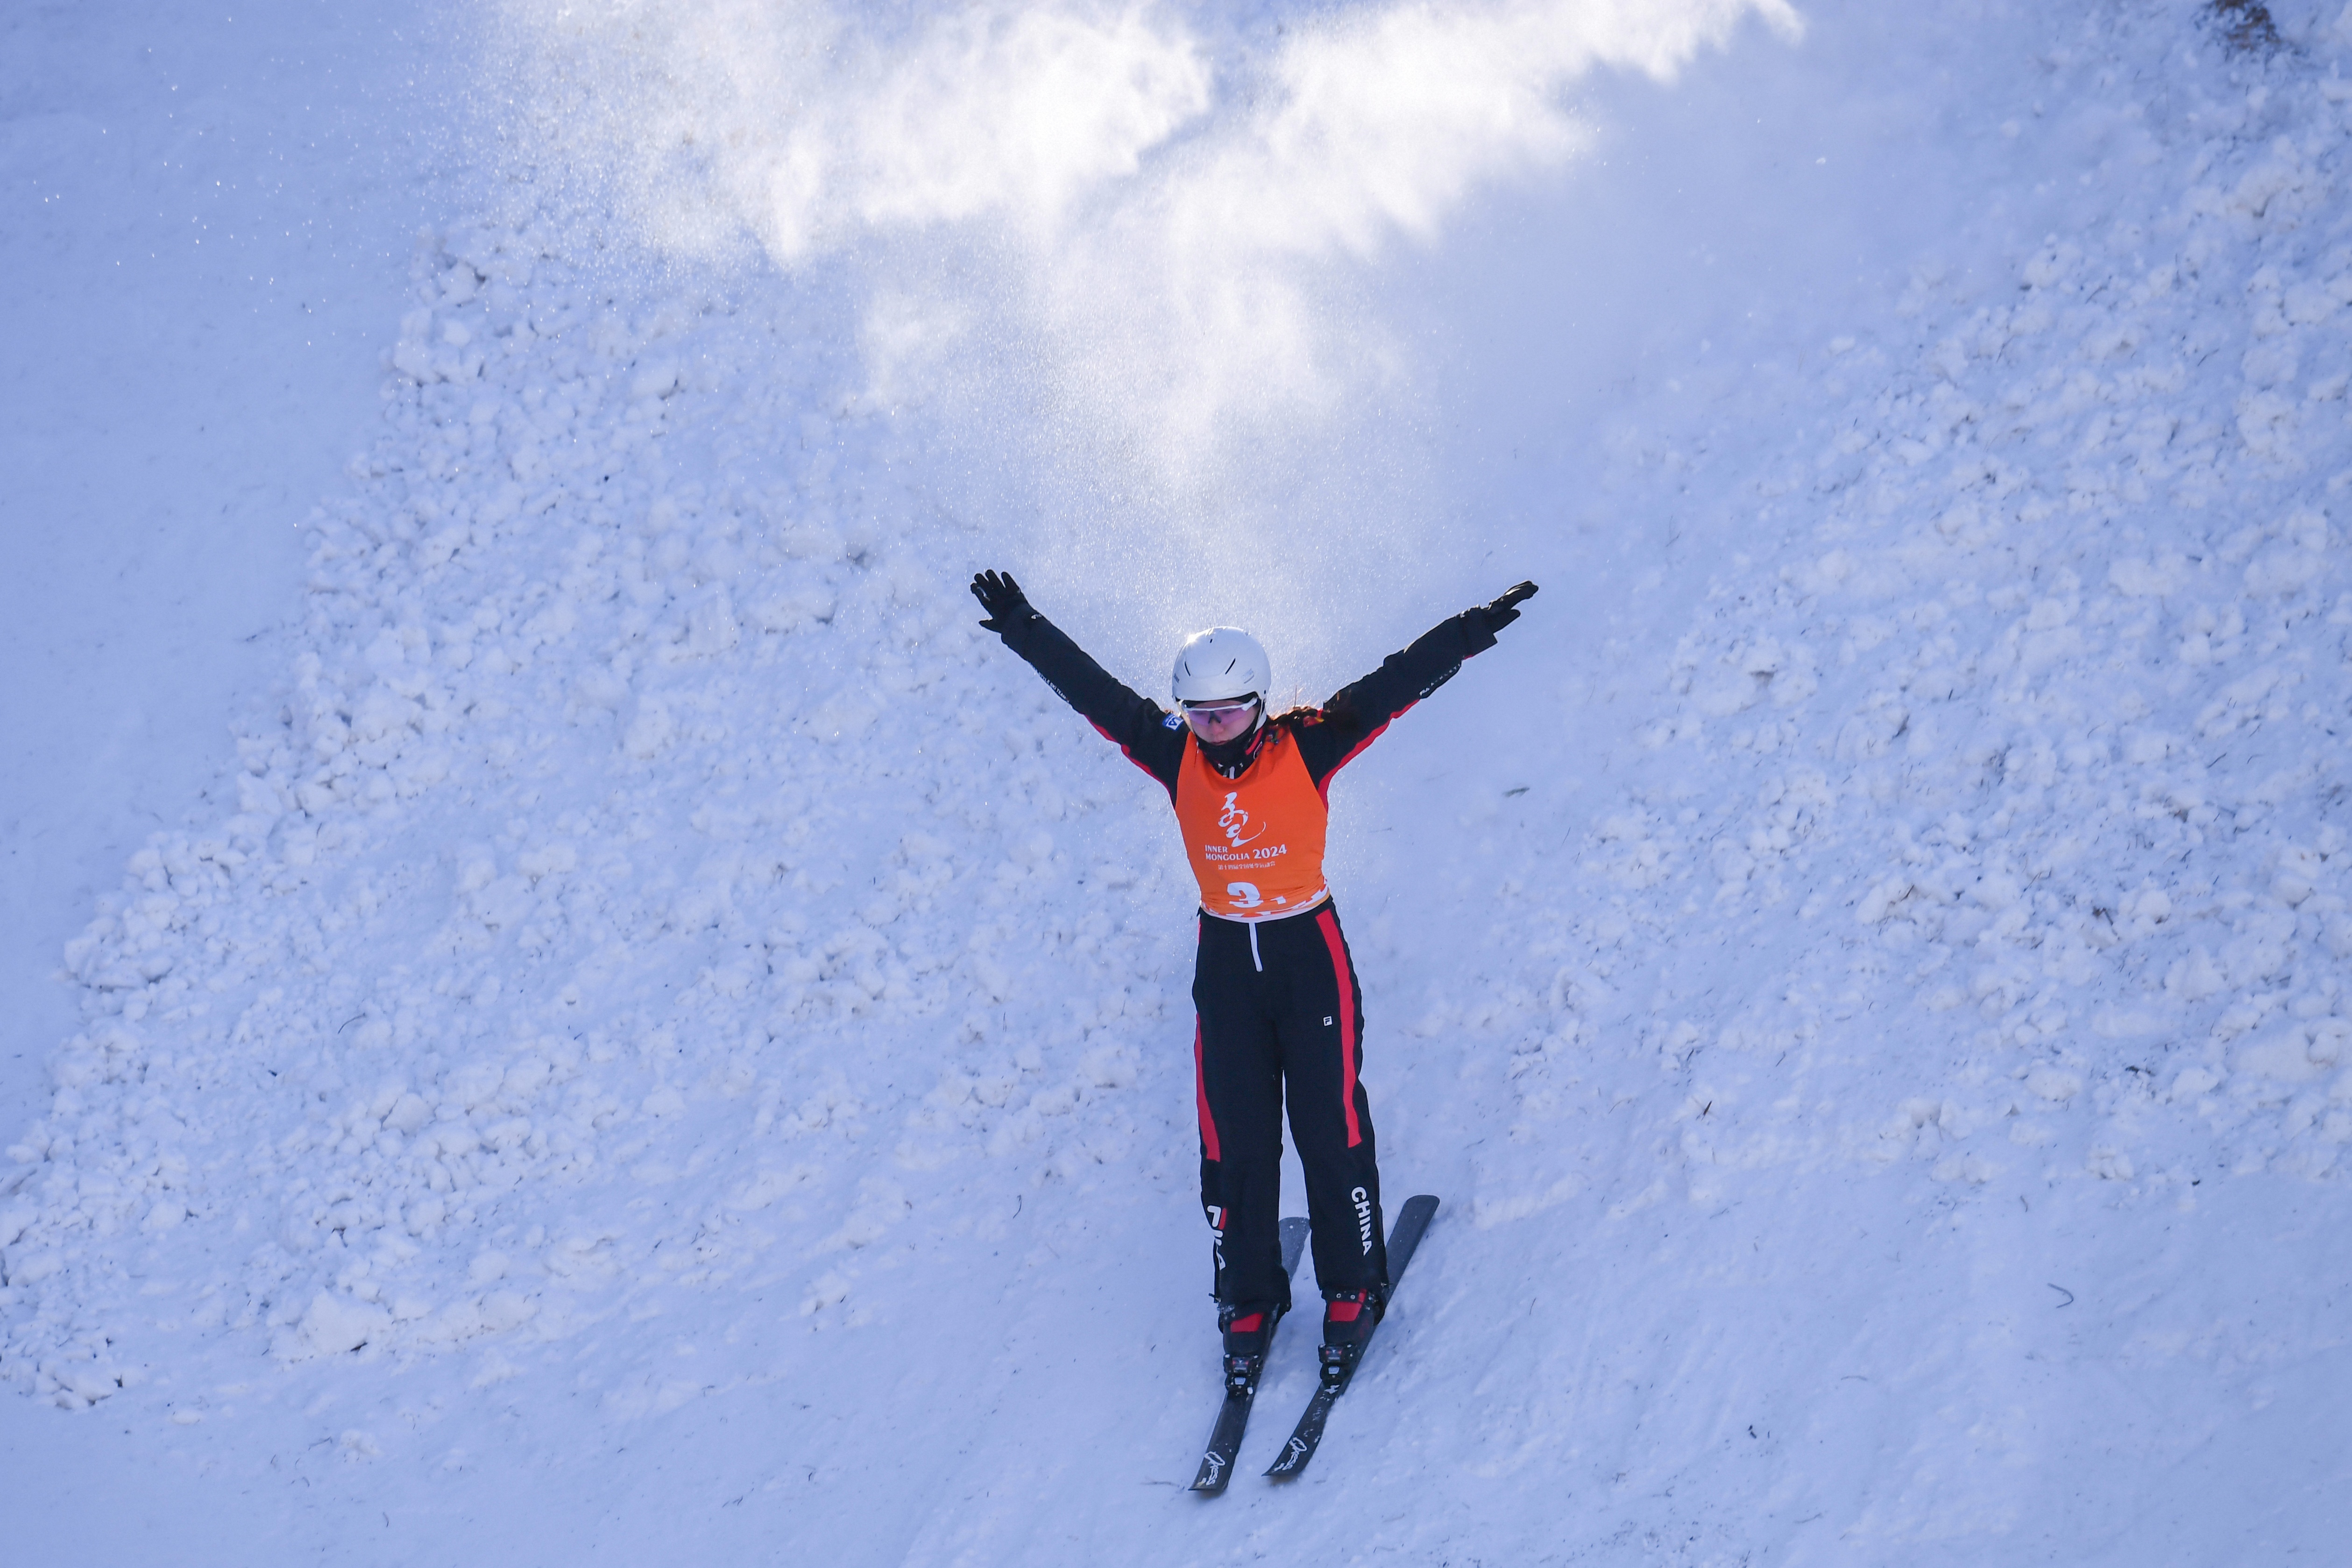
point(1201, 1087)
point(1347, 978)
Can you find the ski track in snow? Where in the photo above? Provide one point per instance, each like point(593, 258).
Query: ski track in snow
point(668, 965)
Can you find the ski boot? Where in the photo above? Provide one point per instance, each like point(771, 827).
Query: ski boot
point(1349, 1317)
point(1248, 1329)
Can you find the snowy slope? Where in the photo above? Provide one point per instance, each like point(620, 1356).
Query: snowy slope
point(680, 1027)
point(208, 223)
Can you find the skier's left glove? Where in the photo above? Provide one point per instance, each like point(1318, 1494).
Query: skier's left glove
point(1002, 597)
point(1485, 620)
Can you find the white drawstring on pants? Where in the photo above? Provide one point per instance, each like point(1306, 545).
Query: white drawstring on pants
point(1256, 962)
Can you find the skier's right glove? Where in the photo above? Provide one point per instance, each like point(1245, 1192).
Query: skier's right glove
point(1002, 597)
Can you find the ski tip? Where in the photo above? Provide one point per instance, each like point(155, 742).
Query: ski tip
point(1293, 1462)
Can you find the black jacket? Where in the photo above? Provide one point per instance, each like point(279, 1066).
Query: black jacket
point(1328, 737)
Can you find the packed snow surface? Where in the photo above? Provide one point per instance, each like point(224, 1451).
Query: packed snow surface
point(675, 1041)
point(208, 220)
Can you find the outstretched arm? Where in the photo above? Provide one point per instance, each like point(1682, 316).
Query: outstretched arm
point(1359, 711)
point(1136, 724)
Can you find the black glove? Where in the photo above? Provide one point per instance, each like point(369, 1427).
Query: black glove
point(1492, 618)
point(1002, 597)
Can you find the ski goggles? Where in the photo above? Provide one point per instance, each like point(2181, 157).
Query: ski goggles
point(1213, 712)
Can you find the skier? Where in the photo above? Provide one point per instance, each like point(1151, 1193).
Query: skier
point(1274, 987)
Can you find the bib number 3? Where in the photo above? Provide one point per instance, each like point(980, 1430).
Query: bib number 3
point(1245, 895)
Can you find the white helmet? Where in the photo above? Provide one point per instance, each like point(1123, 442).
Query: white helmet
point(1220, 662)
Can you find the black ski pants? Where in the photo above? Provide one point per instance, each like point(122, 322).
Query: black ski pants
point(1279, 1008)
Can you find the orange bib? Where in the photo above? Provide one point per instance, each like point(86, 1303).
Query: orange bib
point(1256, 842)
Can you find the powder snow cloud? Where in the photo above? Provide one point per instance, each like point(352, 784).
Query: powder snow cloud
point(1171, 228)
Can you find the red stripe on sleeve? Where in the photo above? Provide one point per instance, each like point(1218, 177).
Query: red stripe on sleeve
point(1323, 785)
point(1128, 753)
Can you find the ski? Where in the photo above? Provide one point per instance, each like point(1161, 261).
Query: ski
point(1233, 1416)
point(1403, 1237)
